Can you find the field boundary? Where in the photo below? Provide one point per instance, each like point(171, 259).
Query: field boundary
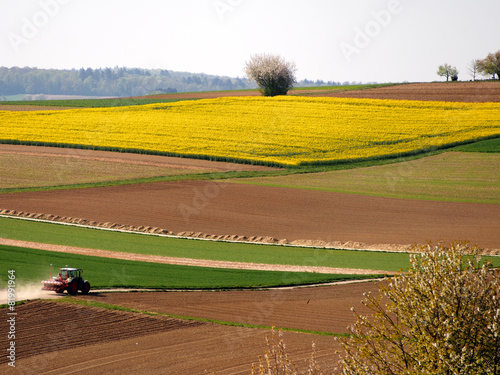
point(159, 232)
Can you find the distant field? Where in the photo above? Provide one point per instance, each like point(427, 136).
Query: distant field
point(38, 168)
point(29, 171)
point(449, 176)
point(170, 98)
point(280, 131)
point(88, 103)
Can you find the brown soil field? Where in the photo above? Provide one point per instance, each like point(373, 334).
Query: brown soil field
point(316, 308)
point(127, 158)
point(32, 166)
point(58, 337)
point(438, 91)
point(53, 338)
point(307, 216)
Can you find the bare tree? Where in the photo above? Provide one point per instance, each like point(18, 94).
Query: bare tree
point(441, 317)
point(490, 65)
point(473, 68)
point(273, 74)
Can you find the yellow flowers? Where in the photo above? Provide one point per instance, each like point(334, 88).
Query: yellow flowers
point(279, 130)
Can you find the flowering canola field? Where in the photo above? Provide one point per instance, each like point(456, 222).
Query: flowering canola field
point(279, 130)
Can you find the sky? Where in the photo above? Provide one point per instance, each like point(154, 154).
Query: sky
point(330, 40)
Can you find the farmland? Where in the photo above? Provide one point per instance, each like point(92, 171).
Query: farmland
point(273, 131)
point(445, 196)
point(448, 176)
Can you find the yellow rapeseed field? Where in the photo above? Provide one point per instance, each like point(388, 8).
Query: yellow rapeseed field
point(279, 130)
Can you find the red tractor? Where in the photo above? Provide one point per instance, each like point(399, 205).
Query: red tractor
point(69, 279)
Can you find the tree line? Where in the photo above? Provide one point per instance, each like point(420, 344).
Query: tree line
point(114, 82)
point(117, 82)
point(488, 67)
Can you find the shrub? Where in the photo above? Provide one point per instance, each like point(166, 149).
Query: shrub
point(441, 317)
point(273, 74)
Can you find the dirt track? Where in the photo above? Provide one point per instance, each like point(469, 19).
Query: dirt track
point(306, 216)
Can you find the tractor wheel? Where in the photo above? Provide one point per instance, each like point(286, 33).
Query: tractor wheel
point(73, 287)
point(85, 287)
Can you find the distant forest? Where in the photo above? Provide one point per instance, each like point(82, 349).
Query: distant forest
point(33, 83)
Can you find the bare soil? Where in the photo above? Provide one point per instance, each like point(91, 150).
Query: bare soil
point(477, 92)
point(296, 216)
point(128, 158)
point(487, 91)
point(317, 308)
point(54, 337)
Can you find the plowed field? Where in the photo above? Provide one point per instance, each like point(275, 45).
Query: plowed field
point(217, 208)
point(435, 91)
point(57, 337)
point(44, 327)
point(478, 92)
point(320, 308)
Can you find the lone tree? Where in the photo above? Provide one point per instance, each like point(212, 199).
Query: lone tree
point(473, 68)
point(441, 317)
point(448, 71)
point(273, 74)
point(490, 65)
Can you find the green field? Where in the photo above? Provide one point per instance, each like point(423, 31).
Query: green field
point(489, 145)
point(198, 249)
point(32, 266)
point(448, 176)
point(90, 103)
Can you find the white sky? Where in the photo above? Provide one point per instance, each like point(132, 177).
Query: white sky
point(406, 41)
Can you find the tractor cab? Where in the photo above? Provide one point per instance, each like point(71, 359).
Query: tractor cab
point(70, 273)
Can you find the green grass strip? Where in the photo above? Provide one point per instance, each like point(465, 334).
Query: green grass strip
point(57, 234)
point(489, 145)
point(91, 103)
point(32, 266)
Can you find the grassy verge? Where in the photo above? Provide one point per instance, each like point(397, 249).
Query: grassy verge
point(32, 266)
point(197, 249)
